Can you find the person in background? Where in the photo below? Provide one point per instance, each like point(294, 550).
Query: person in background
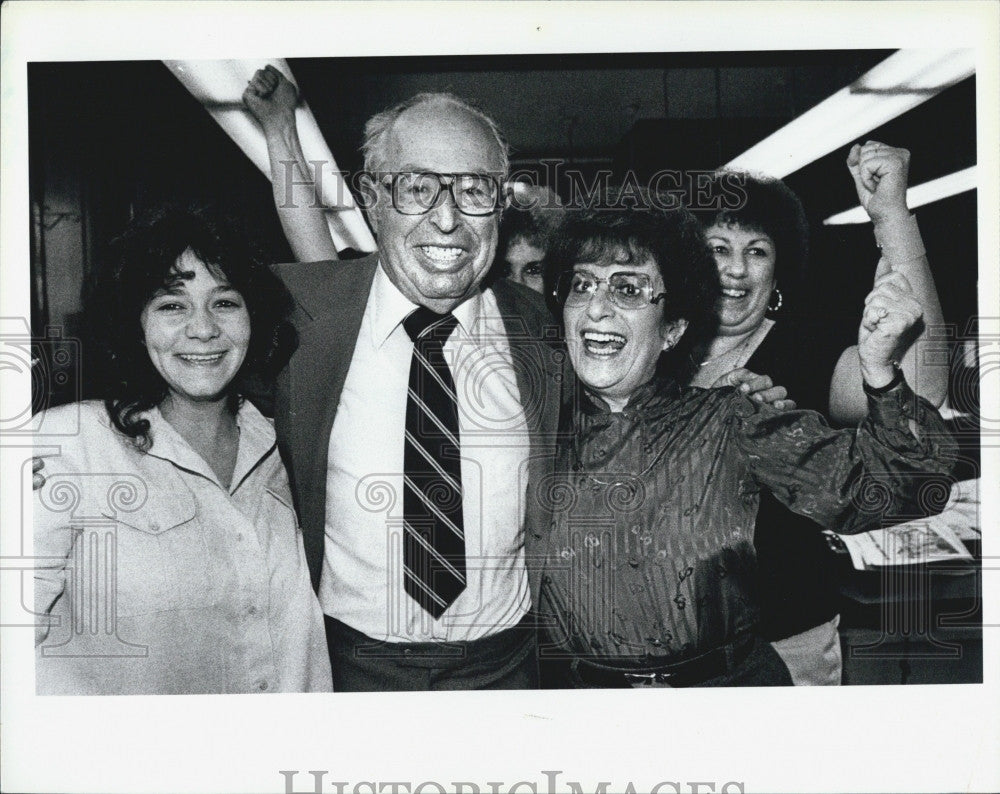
point(758, 248)
point(525, 229)
point(649, 575)
point(209, 590)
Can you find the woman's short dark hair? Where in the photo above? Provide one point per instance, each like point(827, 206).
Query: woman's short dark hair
point(762, 204)
point(527, 225)
point(534, 226)
point(675, 241)
point(142, 261)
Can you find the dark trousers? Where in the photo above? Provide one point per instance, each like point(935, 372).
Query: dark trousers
point(506, 660)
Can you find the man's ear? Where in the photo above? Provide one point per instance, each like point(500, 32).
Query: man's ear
point(673, 332)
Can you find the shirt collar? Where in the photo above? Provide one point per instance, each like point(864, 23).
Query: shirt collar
point(390, 307)
point(257, 440)
point(650, 395)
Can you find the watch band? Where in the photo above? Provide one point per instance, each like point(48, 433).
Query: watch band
point(877, 391)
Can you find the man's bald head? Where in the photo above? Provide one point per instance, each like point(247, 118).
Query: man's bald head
point(379, 128)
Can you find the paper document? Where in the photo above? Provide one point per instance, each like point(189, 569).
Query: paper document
point(924, 540)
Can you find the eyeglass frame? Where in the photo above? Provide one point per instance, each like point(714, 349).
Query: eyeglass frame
point(389, 180)
point(569, 275)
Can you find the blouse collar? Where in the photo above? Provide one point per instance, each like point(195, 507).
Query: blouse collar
point(654, 394)
point(257, 439)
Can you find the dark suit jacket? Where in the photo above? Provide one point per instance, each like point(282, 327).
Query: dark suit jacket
point(330, 300)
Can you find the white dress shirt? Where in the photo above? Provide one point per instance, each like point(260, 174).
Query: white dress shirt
point(362, 582)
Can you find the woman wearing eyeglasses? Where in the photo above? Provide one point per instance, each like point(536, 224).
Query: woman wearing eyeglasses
point(649, 574)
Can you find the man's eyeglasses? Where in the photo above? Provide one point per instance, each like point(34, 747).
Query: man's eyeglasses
point(416, 193)
point(627, 291)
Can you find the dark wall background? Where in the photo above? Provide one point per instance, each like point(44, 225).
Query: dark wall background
point(108, 138)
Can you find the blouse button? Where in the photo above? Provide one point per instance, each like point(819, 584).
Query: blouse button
point(262, 686)
point(155, 527)
point(252, 610)
point(239, 536)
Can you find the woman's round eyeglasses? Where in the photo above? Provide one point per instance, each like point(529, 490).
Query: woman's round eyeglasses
point(626, 290)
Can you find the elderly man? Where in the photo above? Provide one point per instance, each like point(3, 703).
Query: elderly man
point(413, 413)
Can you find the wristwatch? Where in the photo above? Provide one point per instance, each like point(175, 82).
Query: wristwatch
point(876, 391)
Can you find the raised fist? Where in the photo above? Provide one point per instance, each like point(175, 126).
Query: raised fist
point(890, 313)
point(880, 176)
point(270, 96)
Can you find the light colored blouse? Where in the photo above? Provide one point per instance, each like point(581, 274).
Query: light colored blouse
point(154, 578)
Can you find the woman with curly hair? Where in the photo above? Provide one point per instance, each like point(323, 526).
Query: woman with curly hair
point(760, 248)
point(649, 569)
point(166, 518)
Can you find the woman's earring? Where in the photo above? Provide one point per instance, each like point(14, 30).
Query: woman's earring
point(776, 301)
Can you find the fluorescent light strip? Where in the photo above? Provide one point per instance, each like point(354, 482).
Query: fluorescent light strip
point(917, 196)
point(219, 86)
point(901, 82)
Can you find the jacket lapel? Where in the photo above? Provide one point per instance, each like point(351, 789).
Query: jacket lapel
point(331, 298)
point(539, 363)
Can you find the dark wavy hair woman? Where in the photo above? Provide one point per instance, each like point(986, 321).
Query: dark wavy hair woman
point(760, 247)
point(649, 569)
point(673, 241)
point(209, 591)
point(141, 262)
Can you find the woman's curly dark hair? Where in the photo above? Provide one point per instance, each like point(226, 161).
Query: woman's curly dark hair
point(675, 241)
point(141, 262)
point(761, 204)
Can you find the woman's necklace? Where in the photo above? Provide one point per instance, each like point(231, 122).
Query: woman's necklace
point(734, 358)
point(733, 352)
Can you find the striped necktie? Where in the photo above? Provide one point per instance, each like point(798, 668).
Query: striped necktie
point(434, 537)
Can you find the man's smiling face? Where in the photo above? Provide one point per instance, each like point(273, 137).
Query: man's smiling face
point(437, 259)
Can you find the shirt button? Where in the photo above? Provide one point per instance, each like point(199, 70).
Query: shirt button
point(262, 686)
point(407, 651)
point(239, 536)
point(252, 610)
point(154, 527)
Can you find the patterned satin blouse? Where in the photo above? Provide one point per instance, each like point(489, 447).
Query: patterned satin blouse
point(650, 555)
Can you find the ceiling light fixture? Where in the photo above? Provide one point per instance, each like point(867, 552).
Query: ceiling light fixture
point(901, 82)
point(917, 196)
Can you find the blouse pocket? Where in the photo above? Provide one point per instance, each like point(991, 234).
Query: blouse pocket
point(161, 560)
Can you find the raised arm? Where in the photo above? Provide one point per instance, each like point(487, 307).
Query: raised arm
point(271, 98)
point(880, 176)
point(849, 480)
